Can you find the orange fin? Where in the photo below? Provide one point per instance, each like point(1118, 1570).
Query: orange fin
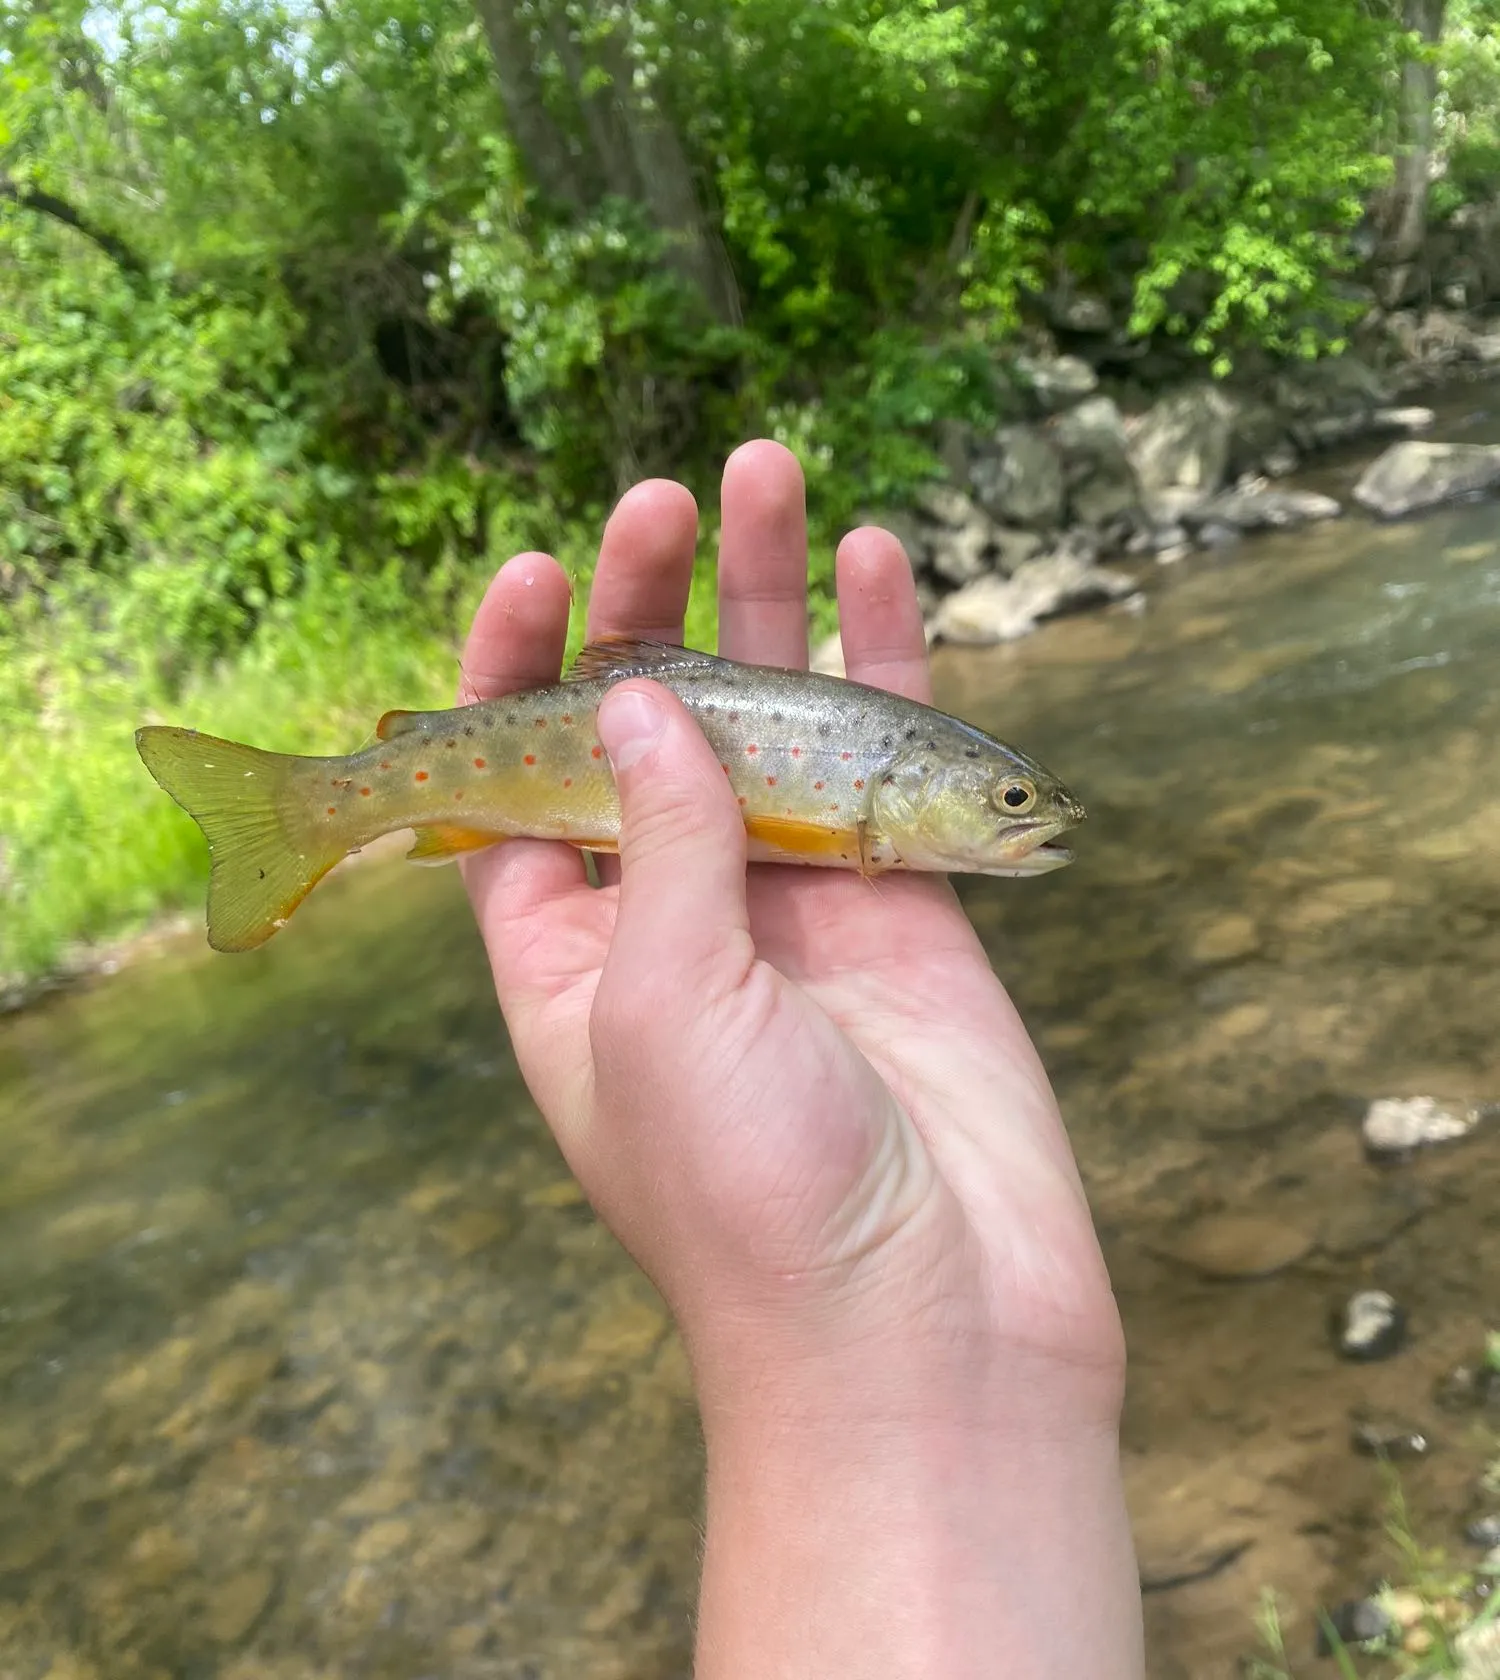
point(438, 842)
point(395, 723)
point(802, 839)
point(622, 656)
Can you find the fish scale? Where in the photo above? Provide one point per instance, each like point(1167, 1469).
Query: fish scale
point(827, 773)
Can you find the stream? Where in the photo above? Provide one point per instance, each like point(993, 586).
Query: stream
point(316, 1366)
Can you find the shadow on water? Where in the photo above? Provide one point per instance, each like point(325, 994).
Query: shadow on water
point(313, 1363)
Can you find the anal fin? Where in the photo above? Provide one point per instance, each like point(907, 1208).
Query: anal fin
point(441, 842)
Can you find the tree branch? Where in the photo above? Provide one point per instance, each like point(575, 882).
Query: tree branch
point(48, 204)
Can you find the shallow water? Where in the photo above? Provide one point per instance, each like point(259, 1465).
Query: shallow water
point(314, 1364)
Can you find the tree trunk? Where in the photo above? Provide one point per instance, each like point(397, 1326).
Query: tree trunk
point(629, 146)
point(667, 189)
point(1404, 229)
point(544, 149)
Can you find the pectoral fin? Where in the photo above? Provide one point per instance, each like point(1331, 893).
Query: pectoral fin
point(802, 839)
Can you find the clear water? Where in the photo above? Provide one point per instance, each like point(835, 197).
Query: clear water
point(312, 1363)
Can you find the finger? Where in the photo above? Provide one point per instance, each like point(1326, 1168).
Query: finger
point(516, 642)
point(880, 622)
point(682, 918)
point(645, 567)
point(519, 631)
point(763, 557)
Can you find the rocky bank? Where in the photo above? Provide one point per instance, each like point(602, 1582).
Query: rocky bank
point(1099, 473)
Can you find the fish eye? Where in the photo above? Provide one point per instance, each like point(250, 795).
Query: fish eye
point(1017, 796)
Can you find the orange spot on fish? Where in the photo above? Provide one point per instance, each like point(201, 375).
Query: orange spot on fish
point(541, 723)
point(598, 752)
point(859, 784)
point(567, 717)
point(385, 764)
point(479, 764)
point(770, 781)
point(724, 768)
point(567, 780)
point(751, 751)
point(459, 793)
point(421, 776)
point(817, 787)
point(743, 800)
point(846, 757)
point(331, 810)
point(796, 752)
point(364, 793)
point(530, 758)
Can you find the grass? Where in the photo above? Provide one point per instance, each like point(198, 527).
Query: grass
point(1435, 1608)
point(91, 849)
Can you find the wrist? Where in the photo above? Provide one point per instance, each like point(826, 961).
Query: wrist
point(850, 1532)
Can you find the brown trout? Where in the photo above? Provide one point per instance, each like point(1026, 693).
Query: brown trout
point(827, 772)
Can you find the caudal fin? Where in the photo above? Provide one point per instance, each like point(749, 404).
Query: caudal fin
point(267, 855)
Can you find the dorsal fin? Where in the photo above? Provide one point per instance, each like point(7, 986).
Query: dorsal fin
point(615, 656)
point(395, 723)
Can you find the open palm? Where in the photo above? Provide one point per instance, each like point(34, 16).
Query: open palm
point(834, 1074)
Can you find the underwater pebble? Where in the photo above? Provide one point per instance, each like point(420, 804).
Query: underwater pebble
point(1371, 1325)
point(1359, 1622)
point(1484, 1531)
point(1397, 1126)
point(1390, 1438)
point(1230, 1247)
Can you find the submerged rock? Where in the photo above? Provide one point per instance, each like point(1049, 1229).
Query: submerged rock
point(1371, 1325)
point(1484, 1532)
point(1239, 1247)
point(995, 609)
point(1360, 1621)
point(1390, 1438)
point(1394, 1127)
point(1410, 476)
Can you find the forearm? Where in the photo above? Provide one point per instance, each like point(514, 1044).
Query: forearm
point(924, 1549)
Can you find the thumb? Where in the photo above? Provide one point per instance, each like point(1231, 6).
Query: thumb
point(682, 839)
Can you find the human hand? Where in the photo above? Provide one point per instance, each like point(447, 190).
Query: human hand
point(805, 1105)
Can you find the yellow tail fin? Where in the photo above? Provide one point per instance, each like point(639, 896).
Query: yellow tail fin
point(267, 855)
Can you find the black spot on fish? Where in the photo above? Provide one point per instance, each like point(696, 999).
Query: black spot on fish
point(932, 746)
point(971, 752)
point(510, 717)
point(260, 874)
point(468, 729)
point(887, 741)
point(825, 728)
point(910, 735)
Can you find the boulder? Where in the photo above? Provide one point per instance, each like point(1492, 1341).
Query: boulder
point(1260, 508)
point(1018, 479)
point(1056, 381)
point(1413, 475)
point(1183, 442)
point(995, 609)
point(1102, 489)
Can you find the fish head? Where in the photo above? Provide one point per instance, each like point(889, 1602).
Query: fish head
point(973, 806)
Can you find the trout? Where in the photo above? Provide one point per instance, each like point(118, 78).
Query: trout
point(827, 772)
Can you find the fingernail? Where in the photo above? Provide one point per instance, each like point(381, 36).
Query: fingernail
point(631, 721)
